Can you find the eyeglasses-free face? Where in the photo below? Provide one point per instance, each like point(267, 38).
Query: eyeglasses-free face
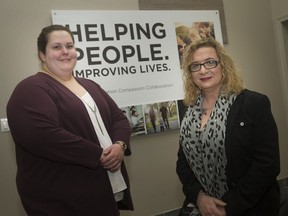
point(212, 63)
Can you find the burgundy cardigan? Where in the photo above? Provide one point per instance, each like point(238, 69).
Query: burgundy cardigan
point(58, 152)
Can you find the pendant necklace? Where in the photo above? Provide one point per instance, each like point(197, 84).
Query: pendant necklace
point(205, 110)
point(94, 111)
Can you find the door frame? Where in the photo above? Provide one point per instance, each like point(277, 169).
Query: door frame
point(282, 50)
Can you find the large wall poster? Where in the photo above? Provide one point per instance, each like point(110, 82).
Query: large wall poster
point(136, 57)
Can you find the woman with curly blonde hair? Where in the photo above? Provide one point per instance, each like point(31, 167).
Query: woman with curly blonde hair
point(232, 83)
point(228, 157)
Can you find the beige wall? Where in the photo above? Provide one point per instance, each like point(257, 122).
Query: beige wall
point(279, 8)
point(155, 186)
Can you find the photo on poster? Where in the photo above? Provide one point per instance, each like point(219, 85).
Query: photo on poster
point(186, 33)
point(136, 119)
point(161, 117)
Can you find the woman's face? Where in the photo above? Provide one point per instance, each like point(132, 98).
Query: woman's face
point(61, 55)
point(207, 79)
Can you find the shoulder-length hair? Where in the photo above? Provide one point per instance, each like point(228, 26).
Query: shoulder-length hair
point(231, 81)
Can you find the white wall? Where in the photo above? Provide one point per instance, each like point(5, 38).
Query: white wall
point(155, 186)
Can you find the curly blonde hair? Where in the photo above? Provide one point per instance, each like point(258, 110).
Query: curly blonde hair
point(231, 82)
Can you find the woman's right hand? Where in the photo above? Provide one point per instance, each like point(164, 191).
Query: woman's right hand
point(112, 158)
point(210, 206)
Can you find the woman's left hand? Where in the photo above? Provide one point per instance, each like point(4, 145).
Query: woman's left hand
point(210, 206)
point(112, 158)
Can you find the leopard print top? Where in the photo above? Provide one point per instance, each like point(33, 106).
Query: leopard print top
point(204, 148)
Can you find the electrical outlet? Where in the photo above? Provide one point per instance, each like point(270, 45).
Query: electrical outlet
point(4, 125)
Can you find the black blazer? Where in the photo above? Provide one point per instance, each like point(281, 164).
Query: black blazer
point(253, 162)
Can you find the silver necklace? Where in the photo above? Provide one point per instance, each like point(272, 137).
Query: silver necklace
point(94, 111)
point(204, 111)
